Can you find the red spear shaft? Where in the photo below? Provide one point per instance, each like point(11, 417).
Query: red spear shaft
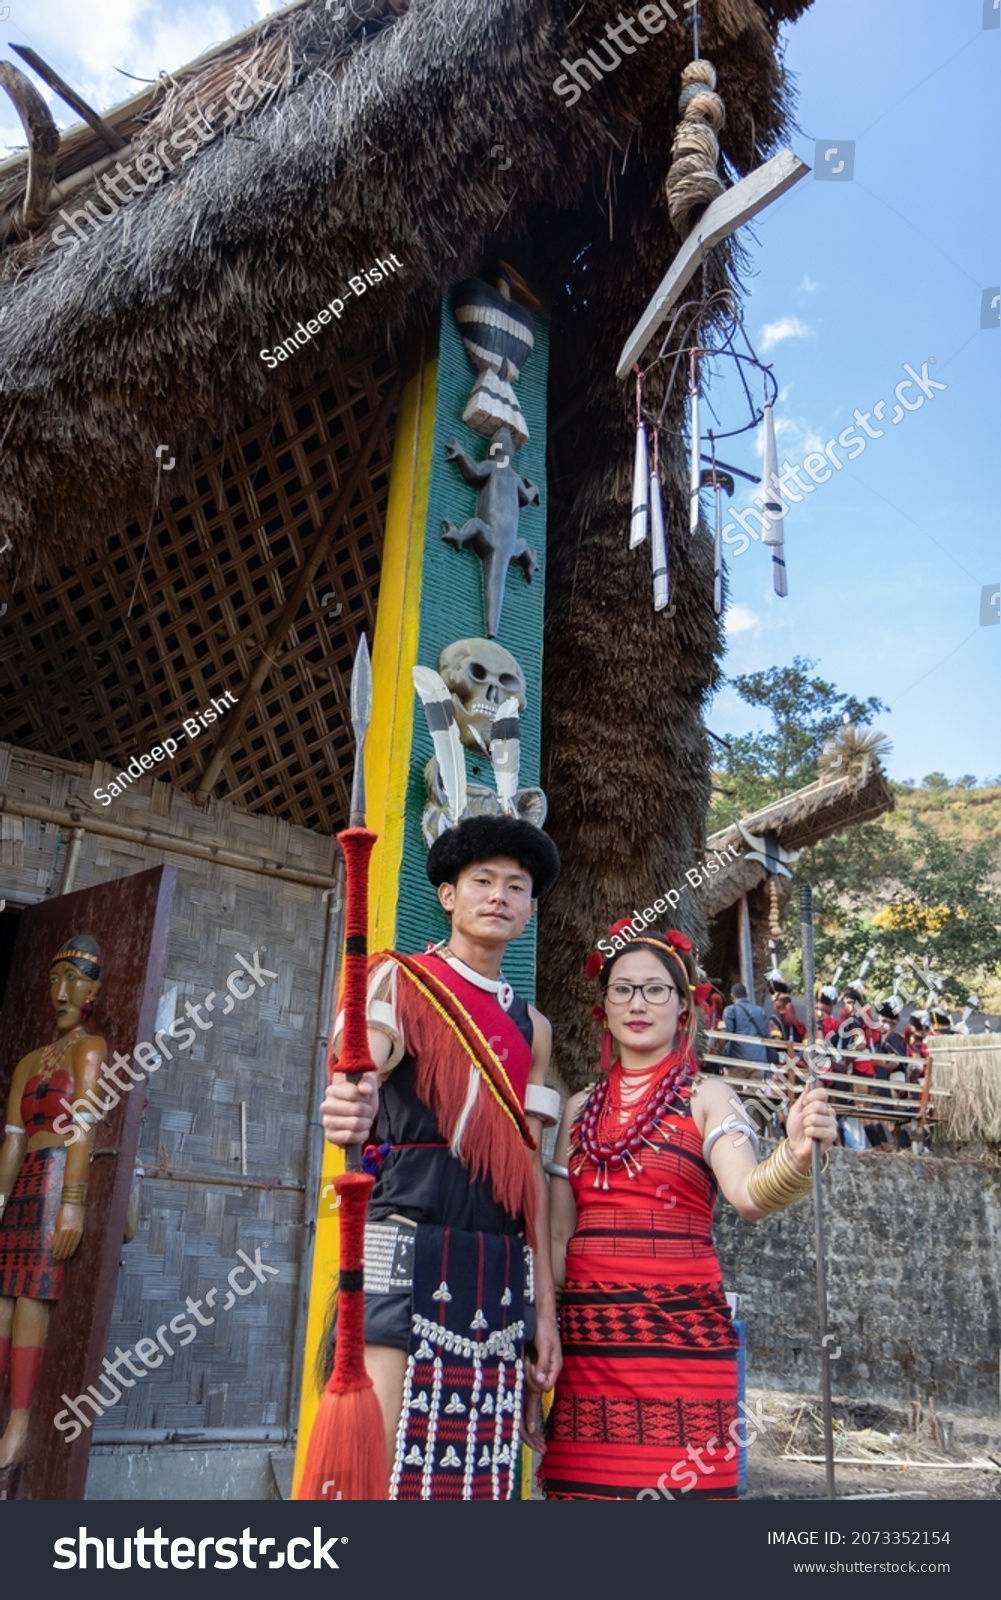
point(346, 1458)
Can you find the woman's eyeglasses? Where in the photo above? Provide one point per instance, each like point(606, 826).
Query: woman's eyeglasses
point(655, 994)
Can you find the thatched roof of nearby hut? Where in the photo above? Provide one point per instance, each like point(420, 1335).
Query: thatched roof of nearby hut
point(798, 820)
point(371, 138)
point(857, 792)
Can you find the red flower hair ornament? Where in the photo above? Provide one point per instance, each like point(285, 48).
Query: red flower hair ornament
point(674, 939)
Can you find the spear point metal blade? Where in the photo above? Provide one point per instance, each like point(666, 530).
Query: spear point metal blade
point(361, 712)
point(361, 690)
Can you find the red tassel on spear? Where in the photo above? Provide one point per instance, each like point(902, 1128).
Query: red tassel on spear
point(347, 1447)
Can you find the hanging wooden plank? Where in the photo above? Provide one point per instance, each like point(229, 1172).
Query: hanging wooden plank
point(723, 217)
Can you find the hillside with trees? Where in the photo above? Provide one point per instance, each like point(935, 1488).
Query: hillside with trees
point(922, 882)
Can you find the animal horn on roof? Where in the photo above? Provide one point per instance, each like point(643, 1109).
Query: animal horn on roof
point(766, 849)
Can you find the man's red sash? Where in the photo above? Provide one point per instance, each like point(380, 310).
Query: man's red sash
point(491, 1037)
point(472, 1066)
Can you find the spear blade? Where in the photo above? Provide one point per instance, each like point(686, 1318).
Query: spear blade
point(361, 713)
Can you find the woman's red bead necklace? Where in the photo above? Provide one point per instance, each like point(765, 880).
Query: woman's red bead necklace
point(604, 1142)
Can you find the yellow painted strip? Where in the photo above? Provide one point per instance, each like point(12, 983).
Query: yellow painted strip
point(397, 635)
point(387, 767)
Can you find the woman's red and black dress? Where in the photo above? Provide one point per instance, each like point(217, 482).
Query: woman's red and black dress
point(647, 1399)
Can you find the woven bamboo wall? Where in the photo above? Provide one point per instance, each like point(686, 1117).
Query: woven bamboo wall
point(103, 658)
point(235, 1373)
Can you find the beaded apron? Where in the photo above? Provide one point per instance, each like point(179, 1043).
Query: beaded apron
point(458, 1437)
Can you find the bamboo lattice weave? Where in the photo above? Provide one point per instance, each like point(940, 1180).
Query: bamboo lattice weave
point(93, 684)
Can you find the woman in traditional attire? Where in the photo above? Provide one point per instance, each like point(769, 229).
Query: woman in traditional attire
point(43, 1177)
point(647, 1401)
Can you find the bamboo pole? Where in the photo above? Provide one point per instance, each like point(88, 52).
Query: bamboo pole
point(154, 840)
point(806, 928)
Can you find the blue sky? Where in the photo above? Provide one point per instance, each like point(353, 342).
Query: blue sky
point(850, 280)
point(888, 558)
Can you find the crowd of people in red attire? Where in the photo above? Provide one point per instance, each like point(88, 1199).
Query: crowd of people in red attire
point(848, 1026)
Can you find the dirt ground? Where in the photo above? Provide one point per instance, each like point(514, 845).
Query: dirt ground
point(888, 1436)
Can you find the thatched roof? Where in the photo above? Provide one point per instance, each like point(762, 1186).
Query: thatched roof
point(370, 141)
point(856, 792)
point(798, 820)
point(375, 138)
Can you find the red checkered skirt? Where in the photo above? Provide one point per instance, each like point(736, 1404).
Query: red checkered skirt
point(646, 1403)
point(28, 1268)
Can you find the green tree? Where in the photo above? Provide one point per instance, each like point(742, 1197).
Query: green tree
point(903, 891)
point(805, 712)
point(896, 888)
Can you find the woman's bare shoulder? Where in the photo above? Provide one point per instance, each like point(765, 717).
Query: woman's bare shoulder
point(31, 1062)
point(711, 1097)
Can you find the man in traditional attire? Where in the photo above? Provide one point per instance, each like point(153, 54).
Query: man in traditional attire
point(785, 1014)
point(452, 1120)
point(827, 999)
point(892, 1043)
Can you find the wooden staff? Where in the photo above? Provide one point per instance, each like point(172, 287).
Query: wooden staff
point(809, 985)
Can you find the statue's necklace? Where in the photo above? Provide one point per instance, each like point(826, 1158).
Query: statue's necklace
point(608, 1154)
point(55, 1051)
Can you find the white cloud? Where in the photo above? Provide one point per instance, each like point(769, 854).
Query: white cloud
point(808, 286)
point(741, 619)
point(774, 333)
point(794, 438)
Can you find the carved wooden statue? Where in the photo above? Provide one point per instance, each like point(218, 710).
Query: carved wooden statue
point(43, 1178)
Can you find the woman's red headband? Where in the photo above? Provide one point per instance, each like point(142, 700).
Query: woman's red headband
point(674, 940)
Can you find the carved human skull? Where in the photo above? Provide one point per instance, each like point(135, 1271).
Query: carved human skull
point(481, 675)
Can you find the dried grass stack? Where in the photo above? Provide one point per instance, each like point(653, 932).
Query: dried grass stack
point(969, 1068)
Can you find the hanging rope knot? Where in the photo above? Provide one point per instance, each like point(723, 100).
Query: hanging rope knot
point(693, 182)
